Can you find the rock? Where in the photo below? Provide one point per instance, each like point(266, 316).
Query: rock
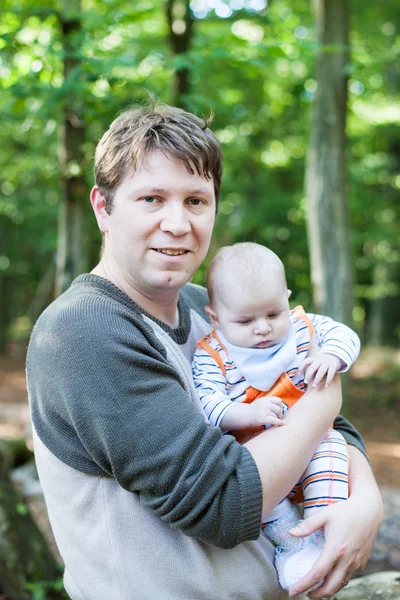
point(386, 553)
point(379, 586)
point(27, 480)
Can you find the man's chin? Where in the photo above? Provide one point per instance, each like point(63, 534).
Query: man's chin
point(172, 281)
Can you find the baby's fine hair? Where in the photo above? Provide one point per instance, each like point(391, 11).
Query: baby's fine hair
point(244, 262)
point(144, 129)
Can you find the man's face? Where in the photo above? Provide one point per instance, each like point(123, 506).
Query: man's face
point(259, 319)
point(160, 226)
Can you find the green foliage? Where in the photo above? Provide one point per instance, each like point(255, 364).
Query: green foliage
point(47, 590)
point(21, 508)
point(255, 70)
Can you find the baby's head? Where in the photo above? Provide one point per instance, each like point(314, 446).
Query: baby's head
point(249, 299)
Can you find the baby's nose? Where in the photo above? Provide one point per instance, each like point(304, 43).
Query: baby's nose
point(263, 327)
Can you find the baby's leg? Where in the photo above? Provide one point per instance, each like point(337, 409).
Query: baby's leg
point(325, 480)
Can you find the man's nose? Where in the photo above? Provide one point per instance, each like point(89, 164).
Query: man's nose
point(262, 327)
point(175, 220)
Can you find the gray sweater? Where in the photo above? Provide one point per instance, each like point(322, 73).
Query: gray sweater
point(147, 501)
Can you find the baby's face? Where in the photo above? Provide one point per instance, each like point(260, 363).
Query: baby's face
point(257, 320)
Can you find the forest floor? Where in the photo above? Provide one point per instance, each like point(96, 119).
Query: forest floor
point(372, 402)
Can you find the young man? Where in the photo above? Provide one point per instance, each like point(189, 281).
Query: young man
point(144, 496)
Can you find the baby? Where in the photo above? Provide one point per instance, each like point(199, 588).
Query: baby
point(253, 367)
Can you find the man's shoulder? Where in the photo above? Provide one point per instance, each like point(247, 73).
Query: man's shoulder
point(196, 297)
point(88, 306)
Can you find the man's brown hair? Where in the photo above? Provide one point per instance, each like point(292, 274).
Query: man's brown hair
point(143, 129)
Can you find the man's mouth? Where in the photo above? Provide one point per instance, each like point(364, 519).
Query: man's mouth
point(170, 251)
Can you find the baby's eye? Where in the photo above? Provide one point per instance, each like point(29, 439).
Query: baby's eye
point(246, 322)
point(273, 316)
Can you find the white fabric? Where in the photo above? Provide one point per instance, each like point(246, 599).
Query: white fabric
point(278, 511)
point(261, 367)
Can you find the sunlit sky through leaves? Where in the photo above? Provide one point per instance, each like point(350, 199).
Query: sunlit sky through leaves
point(201, 8)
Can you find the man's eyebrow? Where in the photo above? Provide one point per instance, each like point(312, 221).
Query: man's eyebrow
point(147, 191)
point(199, 191)
point(195, 192)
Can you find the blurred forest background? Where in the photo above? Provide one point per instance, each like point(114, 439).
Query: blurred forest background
point(68, 67)
point(306, 106)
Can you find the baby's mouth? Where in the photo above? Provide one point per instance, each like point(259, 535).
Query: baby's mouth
point(264, 344)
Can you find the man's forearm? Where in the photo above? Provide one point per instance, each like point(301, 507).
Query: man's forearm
point(282, 454)
point(361, 477)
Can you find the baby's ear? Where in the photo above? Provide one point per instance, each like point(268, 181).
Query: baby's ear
point(213, 316)
point(289, 293)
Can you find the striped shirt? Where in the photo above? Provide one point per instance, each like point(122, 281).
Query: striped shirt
point(217, 389)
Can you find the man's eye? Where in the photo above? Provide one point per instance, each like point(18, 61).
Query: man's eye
point(149, 199)
point(196, 201)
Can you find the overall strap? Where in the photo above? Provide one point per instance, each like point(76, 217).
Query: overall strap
point(299, 312)
point(205, 344)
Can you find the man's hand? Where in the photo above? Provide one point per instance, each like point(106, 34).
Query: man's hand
point(315, 368)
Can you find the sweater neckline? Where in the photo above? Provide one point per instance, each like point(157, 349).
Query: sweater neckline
point(180, 334)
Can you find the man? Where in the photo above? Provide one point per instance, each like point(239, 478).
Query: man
point(146, 499)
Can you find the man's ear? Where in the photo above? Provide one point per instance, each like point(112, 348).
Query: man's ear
point(99, 208)
point(289, 293)
point(213, 316)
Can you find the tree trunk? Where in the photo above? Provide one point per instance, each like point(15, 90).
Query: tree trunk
point(42, 294)
point(327, 226)
point(180, 30)
point(5, 308)
point(70, 255)
point(24, 555)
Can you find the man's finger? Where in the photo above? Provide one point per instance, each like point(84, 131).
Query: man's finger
point(335, 580)
point(319, 571)
point(309, 525)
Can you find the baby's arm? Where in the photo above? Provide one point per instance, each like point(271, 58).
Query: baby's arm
point(210, 383)
point(339, 348)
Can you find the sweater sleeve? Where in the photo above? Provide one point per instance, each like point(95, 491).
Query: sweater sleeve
point(350, 434)
point(106, 398)
point(336, 338)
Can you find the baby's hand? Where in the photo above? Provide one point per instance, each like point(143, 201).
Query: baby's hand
point(265, 411)
point(315, 368)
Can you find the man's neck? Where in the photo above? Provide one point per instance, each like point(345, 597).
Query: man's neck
point(163, 308)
